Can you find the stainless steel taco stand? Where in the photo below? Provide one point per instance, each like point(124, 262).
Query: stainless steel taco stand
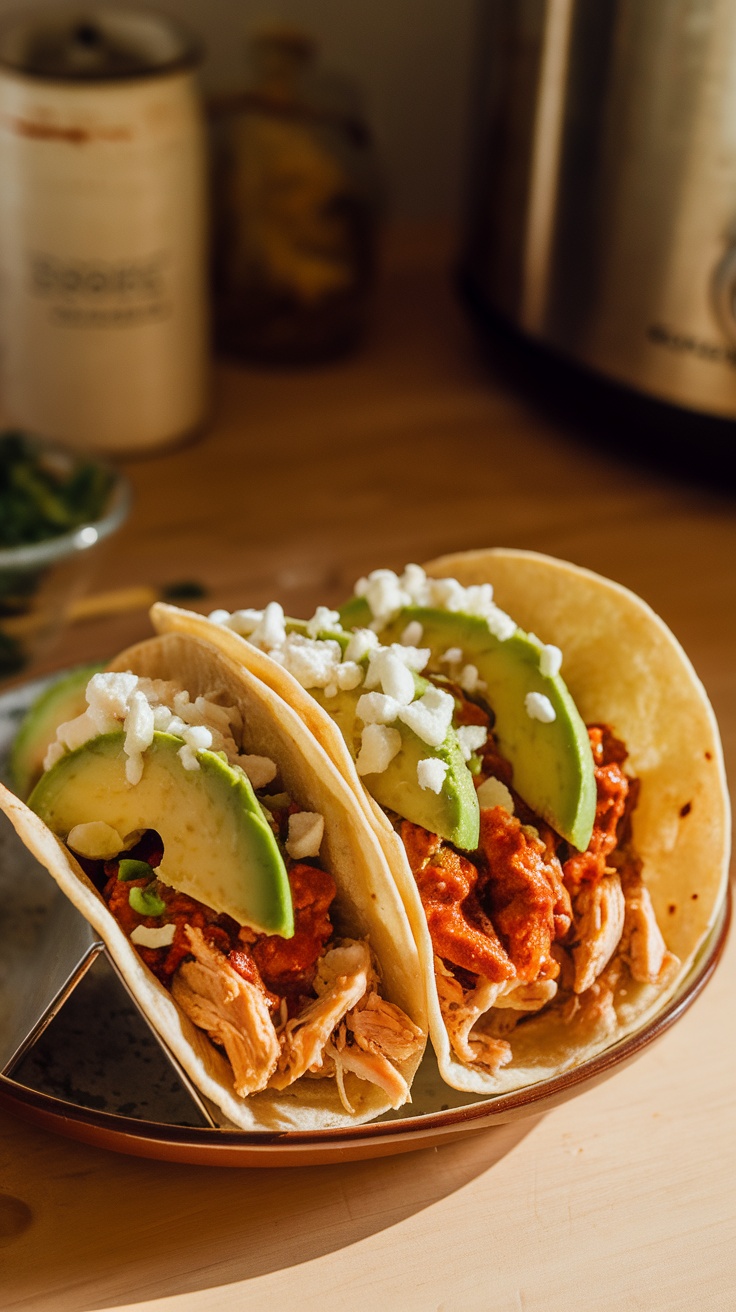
point(78, 1057)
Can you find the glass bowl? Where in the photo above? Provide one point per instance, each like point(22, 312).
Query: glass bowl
point(39, 581)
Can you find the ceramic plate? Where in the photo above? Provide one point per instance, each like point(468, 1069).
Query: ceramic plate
point(79, 1058)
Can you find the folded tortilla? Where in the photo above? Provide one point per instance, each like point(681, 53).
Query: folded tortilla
point(624, 668)
point(367, 905)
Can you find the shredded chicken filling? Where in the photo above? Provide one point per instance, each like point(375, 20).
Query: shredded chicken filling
point(280, 1008)
point(526, 921)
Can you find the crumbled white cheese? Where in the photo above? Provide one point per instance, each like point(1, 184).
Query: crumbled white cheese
point(331, 690)
point(500, 624)
point(396, 680)
point(142, 707)
point(539, 707)
point(378, 747)
point(261, 770)
point(348, 675)
point(431, 774)
point(470, 738)
point(243, 622)
point(430, 716)
point(220, 616)
point(159, 937)
point(384, 594)
point(139, 725)
point(306, 829)
point(493, 792)
point(448, 594)
point(313, 662)
point(271, 631)
point(413, 634)
point(54, 753)
point(110, 693)
point(377, 708)
point(384, 658)
point(323, 618)
point(452, 656)
point(387, 593)
point(96, 840)
point(362, 641)
point(470, 681)
point(550, 661)
point(197, 738)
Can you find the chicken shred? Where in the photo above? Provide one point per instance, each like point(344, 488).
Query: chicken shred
point(380, 1027)
point(342, 978)
point(461, 1009)
point(372, 1066)
point(598, 922)
point(233, 1011)
point(642, 945)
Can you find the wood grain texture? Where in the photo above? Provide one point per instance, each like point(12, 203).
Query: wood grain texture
point(623, 1198)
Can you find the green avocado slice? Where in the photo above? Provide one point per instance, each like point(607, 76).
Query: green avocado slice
point(453, 813)
point(552, 763)
point(218, 847)
point(63, 701)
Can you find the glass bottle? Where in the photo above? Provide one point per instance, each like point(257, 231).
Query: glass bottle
point(295, 210)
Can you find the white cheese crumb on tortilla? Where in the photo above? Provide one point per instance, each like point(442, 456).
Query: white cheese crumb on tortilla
point(306, 829)
point(493, 792)
point(161, 937)
point(431, 774)
point(539, 707)
point(452, 656)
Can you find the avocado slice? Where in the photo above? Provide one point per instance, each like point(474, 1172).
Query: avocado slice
point(552, 763)
point(63, 701)
point(218, 847)
point(453, 813)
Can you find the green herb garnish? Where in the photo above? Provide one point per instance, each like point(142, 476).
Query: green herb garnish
point(146, 902)
point(131, 869)
point(39, 499)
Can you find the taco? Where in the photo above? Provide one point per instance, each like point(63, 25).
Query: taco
point(562, 913)
point(207, 837)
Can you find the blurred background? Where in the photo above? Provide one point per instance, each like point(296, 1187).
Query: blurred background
point(411, 62)
point(335, 285)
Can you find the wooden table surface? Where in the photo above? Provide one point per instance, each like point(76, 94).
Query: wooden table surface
point(623, 1198)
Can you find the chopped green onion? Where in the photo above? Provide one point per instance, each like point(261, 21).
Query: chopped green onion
point(130, 869)
point(145, 902)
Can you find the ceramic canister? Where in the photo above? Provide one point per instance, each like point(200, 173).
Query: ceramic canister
point(103, 299)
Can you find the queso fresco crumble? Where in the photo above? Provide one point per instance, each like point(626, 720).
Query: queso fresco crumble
point(347, 661)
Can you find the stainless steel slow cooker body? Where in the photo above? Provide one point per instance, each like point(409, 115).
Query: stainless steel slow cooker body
point(603, 193)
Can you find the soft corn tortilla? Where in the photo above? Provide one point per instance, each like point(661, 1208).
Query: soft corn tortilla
point(625, 668)
point(367, 903)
